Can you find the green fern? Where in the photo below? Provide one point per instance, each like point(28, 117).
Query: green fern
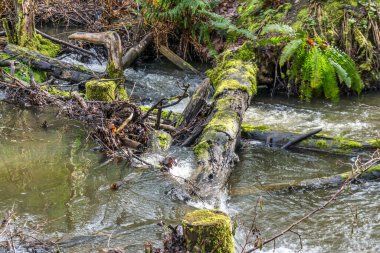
point(319, 69)
point(278, 28)
point(289, 50)
point(345, 62)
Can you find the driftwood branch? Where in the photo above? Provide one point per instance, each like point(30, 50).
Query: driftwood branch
point(301, 138)
point(171, 56)
point(135, 51)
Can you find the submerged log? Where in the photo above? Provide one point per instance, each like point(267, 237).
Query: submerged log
point(316, 183)
point(135, 51)
point(58, 69)
point(234, 81)
point(208, 231)
point(318, 142)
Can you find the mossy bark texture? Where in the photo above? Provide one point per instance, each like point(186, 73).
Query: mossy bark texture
point(22, 31)
point(208, 231)
point(58, 69)
point(234, 81)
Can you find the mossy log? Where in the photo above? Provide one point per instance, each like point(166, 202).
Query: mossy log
point(208, 231)
point(234, 81)
point(58, 69)
point(318, 142)
point(316, 183)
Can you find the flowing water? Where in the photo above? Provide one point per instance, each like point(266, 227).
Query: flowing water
point(56, 178)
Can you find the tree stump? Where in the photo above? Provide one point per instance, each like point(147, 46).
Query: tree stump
point(208, 231)
point(21, 30)
point(101, 90)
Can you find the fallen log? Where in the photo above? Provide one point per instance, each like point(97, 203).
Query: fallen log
point(372, 173)
point(135, 51)
point(58, 69)
point(178, 61)
point(75, 48)
point(234, 81)
point(317, 142)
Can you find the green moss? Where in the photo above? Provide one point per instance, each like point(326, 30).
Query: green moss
point(209, 231)
point(164, 140)
point(23, 70)
point(113, 72)
point(55, 91)
point(302, 17)
point(160, 140)
point(234, 74)
point(201, 150)
point(321, 144)
point(164, 113)
point(348, 144)
point(101, 90)
point(375, 143)
point(248, 128)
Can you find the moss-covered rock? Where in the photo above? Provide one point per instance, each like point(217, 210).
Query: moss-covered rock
point(208, 231)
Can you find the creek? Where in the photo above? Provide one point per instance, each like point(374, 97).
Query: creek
point(55, 176)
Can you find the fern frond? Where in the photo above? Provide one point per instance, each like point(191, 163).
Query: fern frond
point(289, 50)
point(342, 73)
point(349, 65)
point(329, 80)
point(278, 28)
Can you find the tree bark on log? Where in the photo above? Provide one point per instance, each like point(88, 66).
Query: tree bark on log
point(234, 81)
point(197, 102)
point(58, 69)
point(135, 51)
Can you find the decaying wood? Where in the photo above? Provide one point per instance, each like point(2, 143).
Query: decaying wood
point(80, 100)
point(171, 56)
point(197, 103)
point(125, 123)
point(135, 51)
point(112, 41)
point(58, 69)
